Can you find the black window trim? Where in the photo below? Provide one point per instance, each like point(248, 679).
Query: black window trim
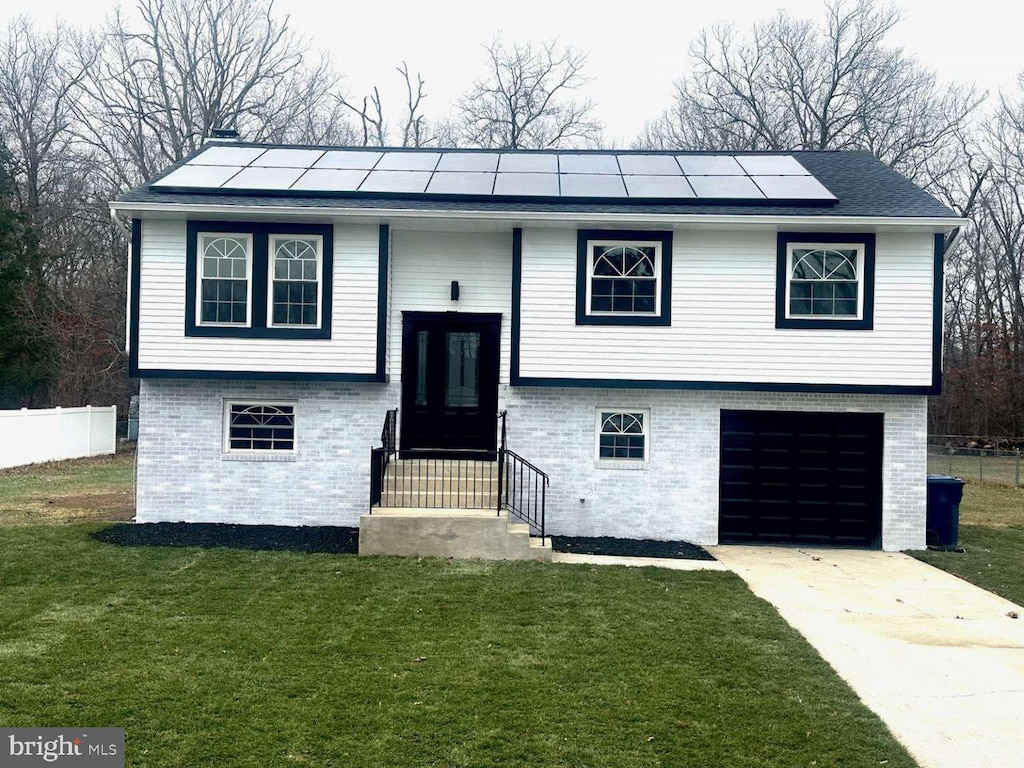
point(260, 276)
point(866, 321)
point(585, 236)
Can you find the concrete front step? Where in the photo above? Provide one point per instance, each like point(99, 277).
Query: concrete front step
point(458, 533)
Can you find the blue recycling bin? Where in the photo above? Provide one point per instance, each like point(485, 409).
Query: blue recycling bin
point(943, 518)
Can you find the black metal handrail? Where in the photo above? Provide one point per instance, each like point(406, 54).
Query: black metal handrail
point(524, 490)
point(511, 484)
point(389, 432)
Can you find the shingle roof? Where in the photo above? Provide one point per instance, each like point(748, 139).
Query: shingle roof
point(863, 186)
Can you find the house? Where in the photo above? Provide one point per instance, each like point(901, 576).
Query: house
point(715, 347)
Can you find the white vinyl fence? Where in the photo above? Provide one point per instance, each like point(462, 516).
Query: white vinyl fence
point(49, 434)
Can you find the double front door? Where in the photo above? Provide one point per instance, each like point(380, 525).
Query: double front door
point(449, 381)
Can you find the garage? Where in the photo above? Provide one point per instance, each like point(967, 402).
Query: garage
point(798, 477)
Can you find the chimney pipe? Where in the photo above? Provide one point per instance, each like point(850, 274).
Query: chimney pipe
point(224, 134)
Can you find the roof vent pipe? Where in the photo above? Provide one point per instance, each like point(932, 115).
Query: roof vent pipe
point(224, 134)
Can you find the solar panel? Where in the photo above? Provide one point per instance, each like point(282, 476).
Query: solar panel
point(587, 164)
point(349, 158)
point(591, 185)
point(709, 165)
point(792, 188)
point(288, 158)
point(263, 178)
point(774, 165)
point(445, 183)
point(202, 176)
point(526, 184)
point(408, 161)
point(656, 165)
point(657, 186)
point(468, 161)
point(396, 181)
point(218, 155)
point(528, 163)
point(331, 180)
point(724, 187)
point(472, 173)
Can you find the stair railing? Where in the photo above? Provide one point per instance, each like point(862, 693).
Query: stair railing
point(522, 487)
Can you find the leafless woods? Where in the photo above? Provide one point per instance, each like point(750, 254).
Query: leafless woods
point(87, 113)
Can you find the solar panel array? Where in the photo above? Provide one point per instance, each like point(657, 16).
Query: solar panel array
point(497, 174)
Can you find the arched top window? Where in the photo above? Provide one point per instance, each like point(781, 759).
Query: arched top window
point(260, 427)
point(621, 435)
point(224, 279)
point(295, 281)
point(624, 278)
point(824, 281)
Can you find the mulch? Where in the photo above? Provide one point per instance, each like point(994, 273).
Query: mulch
point(345, 540)
point(282, 538)
point(609, 545)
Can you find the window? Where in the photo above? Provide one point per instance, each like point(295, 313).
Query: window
point(258, 280)
point(623, 278)
point(252, 427)
point(295, 281)
point(225, 279)
point(621, 435)
point(825, 281)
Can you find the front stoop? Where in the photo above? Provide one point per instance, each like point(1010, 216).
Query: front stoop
point(459, 533)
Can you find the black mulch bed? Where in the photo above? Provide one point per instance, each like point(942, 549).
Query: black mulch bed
point(320, 538)
point(609, 545)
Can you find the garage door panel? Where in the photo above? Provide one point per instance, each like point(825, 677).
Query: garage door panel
point(801, 477)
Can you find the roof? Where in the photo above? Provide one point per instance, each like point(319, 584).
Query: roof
point(856, 184)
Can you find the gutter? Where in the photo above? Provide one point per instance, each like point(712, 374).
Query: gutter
point(946, 224)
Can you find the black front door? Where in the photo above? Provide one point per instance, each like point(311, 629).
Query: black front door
point(449, 381)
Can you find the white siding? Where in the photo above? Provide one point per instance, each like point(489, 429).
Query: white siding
point(723, 318)
point(163, 344)
point(425, 263)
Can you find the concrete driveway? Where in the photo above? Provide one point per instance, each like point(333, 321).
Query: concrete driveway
point(936, 658)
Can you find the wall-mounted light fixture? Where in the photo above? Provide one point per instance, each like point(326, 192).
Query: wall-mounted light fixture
point(455, 290)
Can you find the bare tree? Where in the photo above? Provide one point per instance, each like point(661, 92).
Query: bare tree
point(792, 84)
point(416, 130)
point(37, 90)
point(526, 101)
point(166, 76)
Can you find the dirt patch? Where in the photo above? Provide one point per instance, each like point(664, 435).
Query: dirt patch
point(115, 507)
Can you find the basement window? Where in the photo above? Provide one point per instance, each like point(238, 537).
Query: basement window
point(622, 435)
point(259, 427)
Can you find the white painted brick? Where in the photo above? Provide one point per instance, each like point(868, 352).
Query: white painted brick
point(182, 474)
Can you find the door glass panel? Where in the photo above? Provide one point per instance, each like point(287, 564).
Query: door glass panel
point(421, 368)
point(463, 369)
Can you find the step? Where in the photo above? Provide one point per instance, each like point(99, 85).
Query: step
point(449, 533)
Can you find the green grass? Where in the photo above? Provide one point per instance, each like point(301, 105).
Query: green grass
point(98, 488)
point(992, 537)
point(987, 468)
point(993, 558)
point(230, 658)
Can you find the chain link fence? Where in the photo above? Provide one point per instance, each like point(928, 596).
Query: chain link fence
point(981, 460)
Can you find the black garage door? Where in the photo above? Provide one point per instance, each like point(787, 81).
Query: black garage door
point(801, 478)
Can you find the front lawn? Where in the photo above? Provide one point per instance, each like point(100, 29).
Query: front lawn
point(215, 657)
point(992, 537)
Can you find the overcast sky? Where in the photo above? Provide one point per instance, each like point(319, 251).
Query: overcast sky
point(636, 47)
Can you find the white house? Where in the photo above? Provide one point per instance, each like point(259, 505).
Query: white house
point(709, 347)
